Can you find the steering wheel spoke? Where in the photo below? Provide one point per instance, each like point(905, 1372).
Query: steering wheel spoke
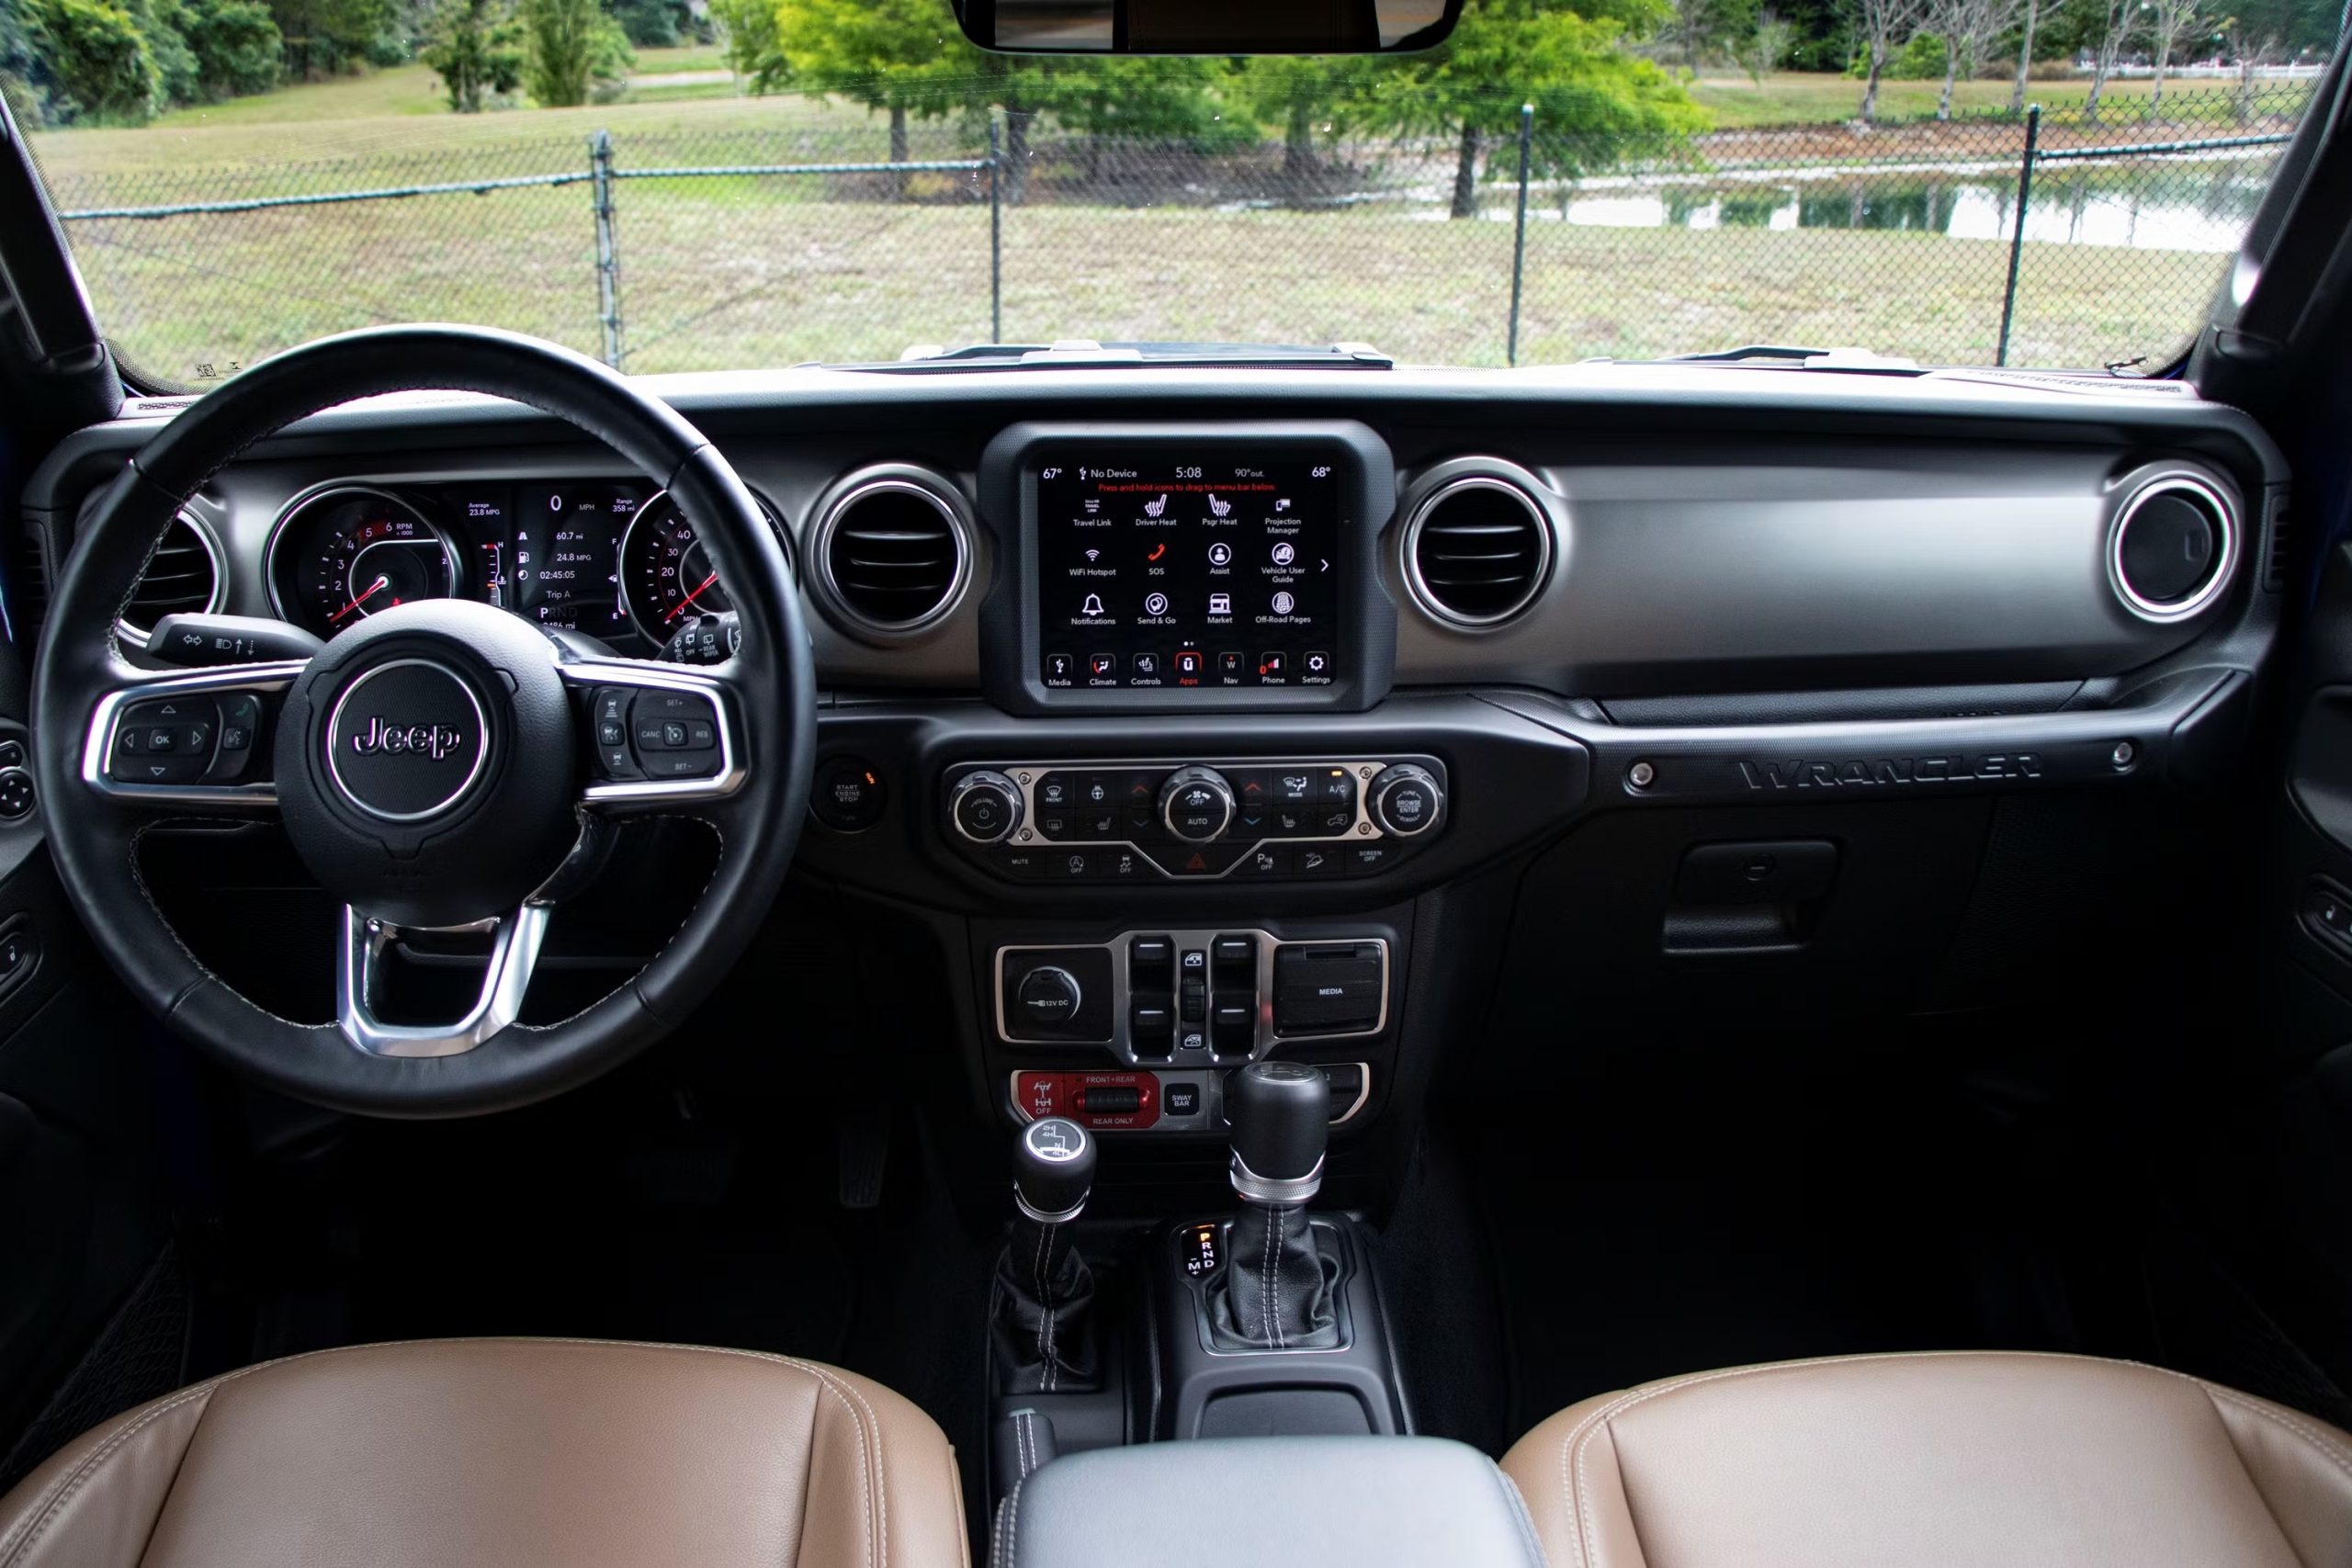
point(513, 956)
point(170, 741)
point(664, 738)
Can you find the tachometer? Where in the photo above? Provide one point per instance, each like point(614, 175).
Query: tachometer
point(666, 572)
point(345, 554)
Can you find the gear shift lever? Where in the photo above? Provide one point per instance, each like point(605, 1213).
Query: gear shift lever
point(1275, 1292)
point(1281, 1114)
point(1038, 1316)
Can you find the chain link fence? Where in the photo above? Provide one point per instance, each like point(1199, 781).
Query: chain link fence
point(2062, 238)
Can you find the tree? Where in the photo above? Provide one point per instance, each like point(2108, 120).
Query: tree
point(2170, 24)
point(1774, 36)
point(94, 53)
point(2025, 57)
point(326, 36)
point(2110, 23)
point(1594, 100)
point(900, 56)
point(476, 51)
point(1882, 26)
point(1300, 96)
point(747, 30)
point(571, 47)
point(1965, 27)
point(1701, 31)
point(237, 46)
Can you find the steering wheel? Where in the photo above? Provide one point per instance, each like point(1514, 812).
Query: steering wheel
point(443, 765)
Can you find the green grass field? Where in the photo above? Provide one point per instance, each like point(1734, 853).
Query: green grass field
point(735, 271)
point(1796, 97)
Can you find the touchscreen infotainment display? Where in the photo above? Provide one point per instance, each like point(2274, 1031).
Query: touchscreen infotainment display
point(1182, 573)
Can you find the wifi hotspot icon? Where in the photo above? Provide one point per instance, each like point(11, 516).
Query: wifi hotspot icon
point(1091, 554)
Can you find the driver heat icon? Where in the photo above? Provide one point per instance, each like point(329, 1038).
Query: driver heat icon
point(1156, 508)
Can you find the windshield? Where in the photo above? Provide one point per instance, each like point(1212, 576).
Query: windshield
point(676, 184)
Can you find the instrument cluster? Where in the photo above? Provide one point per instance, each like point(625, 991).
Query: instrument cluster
point(616, 560)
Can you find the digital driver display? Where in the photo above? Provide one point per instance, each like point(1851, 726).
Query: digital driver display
point(1179, 574)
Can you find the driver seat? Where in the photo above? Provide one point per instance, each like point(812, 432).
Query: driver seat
point(514, 1452)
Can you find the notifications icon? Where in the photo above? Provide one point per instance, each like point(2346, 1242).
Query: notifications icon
point(1093, 605)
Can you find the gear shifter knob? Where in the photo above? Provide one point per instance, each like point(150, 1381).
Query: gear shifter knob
point(1053, 1170)
point(1281, 1114)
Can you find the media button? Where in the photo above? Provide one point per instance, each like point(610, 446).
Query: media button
point(1062, 669)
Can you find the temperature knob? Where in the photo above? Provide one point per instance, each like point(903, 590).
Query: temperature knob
point(1197, 805)
point(985, 807)
point(1406, 800)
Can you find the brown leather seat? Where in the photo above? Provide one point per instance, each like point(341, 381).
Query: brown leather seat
point(511, 1452)
point(1929, 1459)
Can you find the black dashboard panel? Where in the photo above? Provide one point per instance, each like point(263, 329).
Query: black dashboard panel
point(1290, 545)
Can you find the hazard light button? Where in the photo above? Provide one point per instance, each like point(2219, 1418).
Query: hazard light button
point(1197, 860)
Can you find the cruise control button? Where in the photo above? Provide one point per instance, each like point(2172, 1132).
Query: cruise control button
point(681, 765)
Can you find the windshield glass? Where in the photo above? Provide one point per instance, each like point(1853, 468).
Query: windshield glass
point(716, 183)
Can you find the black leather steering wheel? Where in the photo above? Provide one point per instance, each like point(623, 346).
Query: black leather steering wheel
point(438, 765)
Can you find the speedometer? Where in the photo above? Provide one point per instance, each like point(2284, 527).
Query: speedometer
point(667, 572)
point(345, 554)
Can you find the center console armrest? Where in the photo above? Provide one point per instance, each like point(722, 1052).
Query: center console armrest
point(1268, 1502)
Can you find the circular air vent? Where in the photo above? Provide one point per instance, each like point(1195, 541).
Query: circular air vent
point(2171, 548)
point(1476, 550)
point(894, 551)
point(184, 576)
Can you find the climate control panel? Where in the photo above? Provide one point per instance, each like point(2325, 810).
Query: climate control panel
point(1241, 819)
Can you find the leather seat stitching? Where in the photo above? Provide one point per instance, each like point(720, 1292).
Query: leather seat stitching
point(876, 1496)
point(1577, 1496)
point(1013, 1522)
point(2329, 1449)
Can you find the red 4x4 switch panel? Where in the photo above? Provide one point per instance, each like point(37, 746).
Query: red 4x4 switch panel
point(1107, 1102)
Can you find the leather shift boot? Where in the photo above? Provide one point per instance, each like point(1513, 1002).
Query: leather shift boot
point(1275, 1292)
point(1040, 1316)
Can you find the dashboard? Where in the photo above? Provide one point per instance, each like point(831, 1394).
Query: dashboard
point(617, 561)
point(1195, 715)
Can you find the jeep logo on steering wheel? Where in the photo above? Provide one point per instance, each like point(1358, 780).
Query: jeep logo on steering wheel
point(438, 741)
point(407, 739)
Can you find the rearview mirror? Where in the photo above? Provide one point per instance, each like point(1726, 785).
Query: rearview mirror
point(1207, 26)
